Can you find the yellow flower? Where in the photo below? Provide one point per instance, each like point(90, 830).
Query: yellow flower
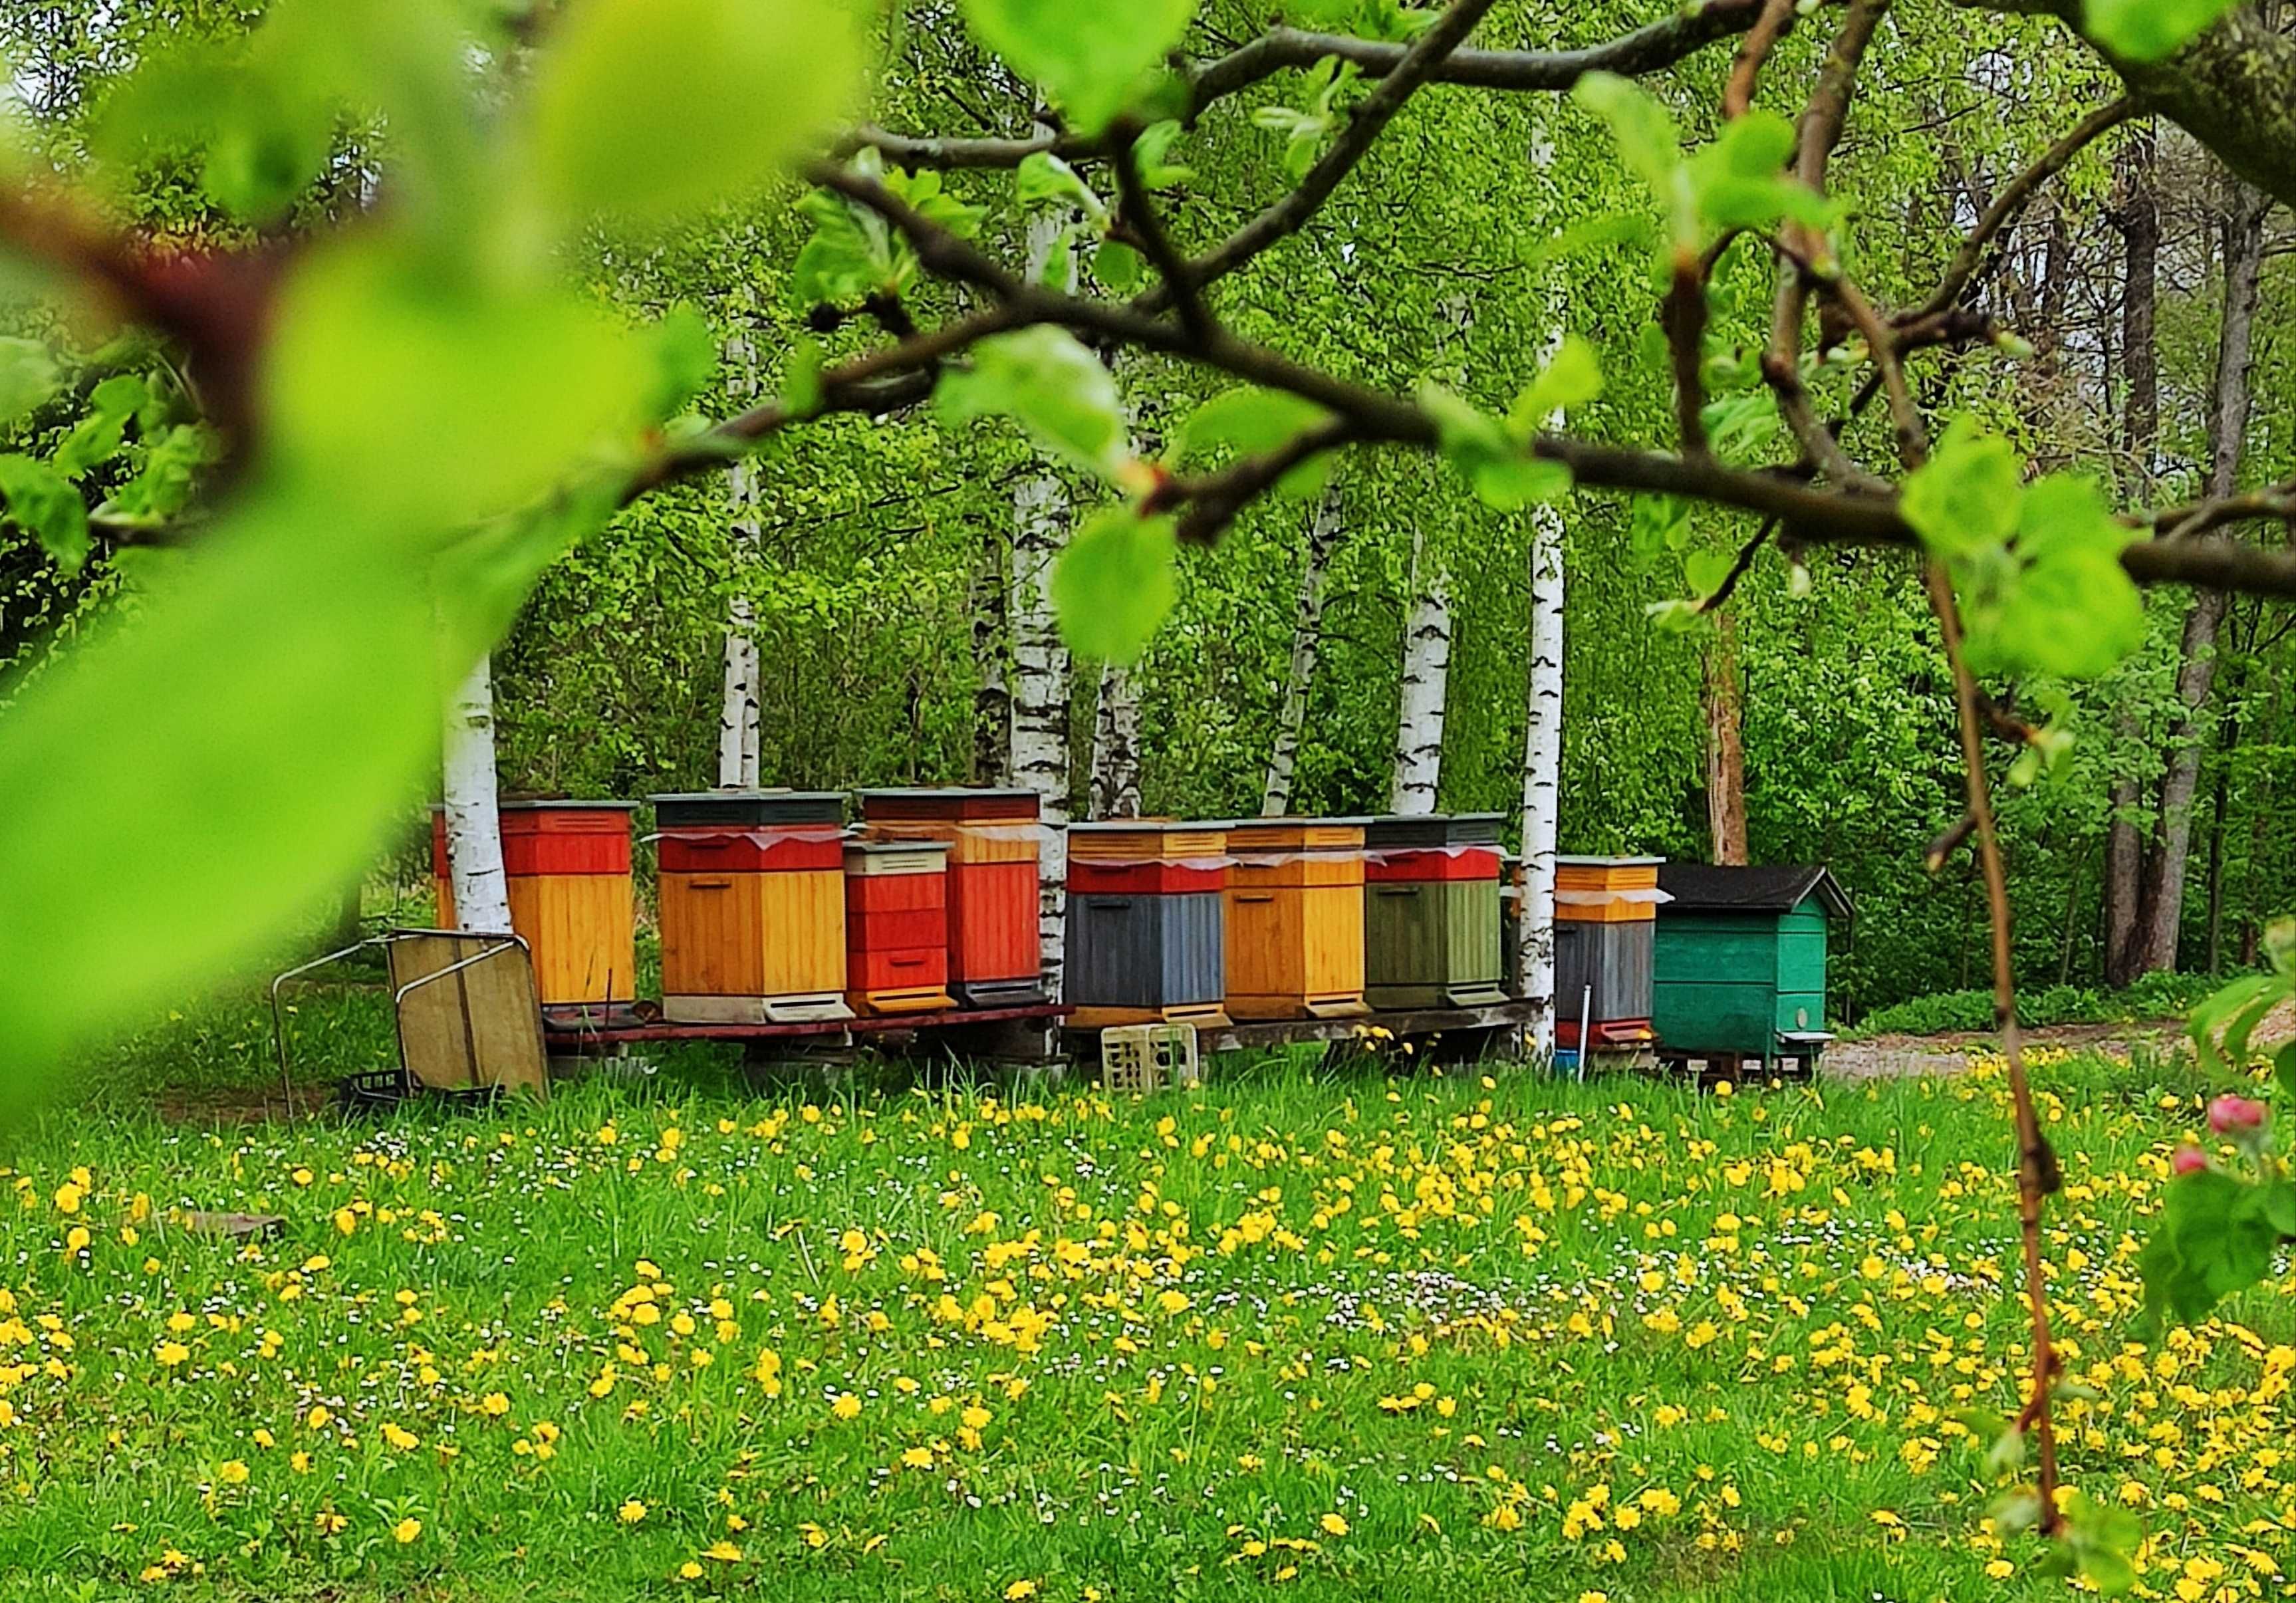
point(171, 1353)
point(494, 1405)
point(407, 1530)
point(400, 1438)
point(689, 1571)
point(231, 1472)
point(723, 1552)
point(1019, 1591)
point(1333, 1525)
point(631, 1512)
point(846, 1406)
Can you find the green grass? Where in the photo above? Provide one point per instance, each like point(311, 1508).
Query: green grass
point(1437, 1313)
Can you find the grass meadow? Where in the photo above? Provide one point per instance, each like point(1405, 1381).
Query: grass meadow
point(1330, 1334)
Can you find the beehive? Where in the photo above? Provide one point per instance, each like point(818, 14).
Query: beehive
point(1146, 923)
point(897, 927)
point(752, 887)
point(566, 867)
point(1431, 910)
point(996, 956)
point(1604, 924)
point(1295, 918)
point(1740, 960)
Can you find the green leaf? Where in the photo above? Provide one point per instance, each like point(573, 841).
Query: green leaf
point(1044, 379)
point(1115, 582)
point(1154, 144)
point(1045, 179)
point(98, 437)
point(646, 109)
point(1706, 569)
point(2065, 605)
point(416, 397)
point(2215, 1237)
point(28, 376)
point(1091, 57)
point(1117, 266)
point(1573, 377)
point(1251, 422)
point(2284, 1069)
point(48, 508)
point(1739, 181)
point(685, 360)
point(1644, 131)
point(1658, 524)
point(1504, 475)
point(1967, 495)
point(850, 255)
point(2145, 31)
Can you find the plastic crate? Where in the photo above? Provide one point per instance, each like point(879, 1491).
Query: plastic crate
point(1136, 1059)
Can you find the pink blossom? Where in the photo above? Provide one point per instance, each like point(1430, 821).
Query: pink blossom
point(2188, 1159)
point(2231, 1115)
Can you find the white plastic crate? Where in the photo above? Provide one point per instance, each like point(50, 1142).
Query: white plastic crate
point(1136, 1059)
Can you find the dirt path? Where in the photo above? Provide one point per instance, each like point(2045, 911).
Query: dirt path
point(1893, 1056)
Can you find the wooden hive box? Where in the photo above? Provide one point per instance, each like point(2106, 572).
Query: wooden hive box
point(995, 953)
point(1741, 958)
point(1432, 911)
point(566, 866)
point(897, 927)
point(1146, 923)
point(1605, 910)
point(1295, 918)
point(753, 887)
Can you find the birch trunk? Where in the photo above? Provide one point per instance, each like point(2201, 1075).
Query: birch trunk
point(992, 702)
point(2166, 867)
point(1426, 682)
point(1040, 683)
point(737, 713)
point(1307, 644)
point(1116, 746)
point(474, 853)
point(1542, 781)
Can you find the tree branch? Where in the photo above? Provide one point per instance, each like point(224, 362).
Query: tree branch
point(1288, 215)
point(1138, 208)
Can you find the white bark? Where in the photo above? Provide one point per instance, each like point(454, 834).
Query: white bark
point(1426, 684)
point(1307, 642)
point(1542, 779)
point(1040, 681)
point(474, 853)
point(737, 715)
point(1116, 745)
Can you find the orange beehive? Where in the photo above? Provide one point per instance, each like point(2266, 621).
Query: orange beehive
point(1295, 918)
point(996, 951)
point(897, 927)
point(566, 865)
point(752, 889)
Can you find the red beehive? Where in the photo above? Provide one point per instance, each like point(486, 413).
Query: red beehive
point(996, 956)
point(567, 871)
point(897, 927)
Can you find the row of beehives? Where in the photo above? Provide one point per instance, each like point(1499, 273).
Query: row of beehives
point(772, 910)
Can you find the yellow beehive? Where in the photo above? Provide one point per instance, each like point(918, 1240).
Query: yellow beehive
point(1295, 919)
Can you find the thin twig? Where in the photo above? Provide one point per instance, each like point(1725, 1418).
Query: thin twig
point(1746, 554)
point(1738, 94)
point(1139, 210)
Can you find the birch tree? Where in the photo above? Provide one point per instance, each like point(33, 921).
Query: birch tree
point(1426, 684)
point(474, 851)
point(737, 715)
point(1307, 642)
point(1116, 745)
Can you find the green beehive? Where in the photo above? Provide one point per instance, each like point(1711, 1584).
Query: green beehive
point(1740, 962)
point(1432, 911)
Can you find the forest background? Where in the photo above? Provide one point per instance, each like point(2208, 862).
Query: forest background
point(875, 560)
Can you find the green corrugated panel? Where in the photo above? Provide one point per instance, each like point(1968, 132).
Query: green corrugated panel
point(1470, 931)
point(1403, 944)
point(1734, 982)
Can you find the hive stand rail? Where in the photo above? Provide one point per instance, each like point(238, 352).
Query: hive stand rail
point(1493, 1030)
point(1008, 1024)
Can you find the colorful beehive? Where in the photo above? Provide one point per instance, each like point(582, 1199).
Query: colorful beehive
point(1431, 910)
point(566, 865)
point(1295, 918)
point(1740, 957)
point(1605, 918)
point(753, 887)
point(897, 926)
point(996, 951)
point(1146, 923)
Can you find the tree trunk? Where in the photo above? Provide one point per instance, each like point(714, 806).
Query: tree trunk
point(1426, 684)
point(1307, 642)
point(1726, 751)
point(1116, 745)
point(1040, 685)
point(992, 702)
point(737, 711)
point(2137, 216)
point(1542, 781)
point(2163, 908)
point(474, 853)
point(2227, 742)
